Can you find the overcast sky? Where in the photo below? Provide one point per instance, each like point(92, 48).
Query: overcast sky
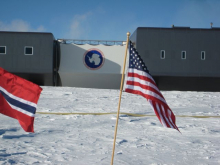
point(104, 19)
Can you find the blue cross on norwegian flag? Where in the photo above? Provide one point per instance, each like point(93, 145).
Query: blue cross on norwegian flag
point(18, 99)
point(139, 81)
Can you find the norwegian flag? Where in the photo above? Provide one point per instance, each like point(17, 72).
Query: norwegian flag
point(18, 99)
point(139, 81)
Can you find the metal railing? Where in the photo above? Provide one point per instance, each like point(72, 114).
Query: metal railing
point(91, 42)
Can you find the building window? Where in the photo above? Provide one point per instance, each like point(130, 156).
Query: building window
point(28, 50)
point(183, 55)
point(162, 54)
point(2, 49)
point(202, 55)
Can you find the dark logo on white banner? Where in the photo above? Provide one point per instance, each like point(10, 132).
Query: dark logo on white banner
point(94, 59)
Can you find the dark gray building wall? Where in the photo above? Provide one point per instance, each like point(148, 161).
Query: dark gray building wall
point(38, 67)
point(197, 73)
point(133, 37)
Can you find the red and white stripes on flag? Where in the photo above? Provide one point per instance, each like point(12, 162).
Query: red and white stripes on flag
point(139, 81)
point(18, 99)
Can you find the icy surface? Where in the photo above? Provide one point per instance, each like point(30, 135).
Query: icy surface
point(88, 139)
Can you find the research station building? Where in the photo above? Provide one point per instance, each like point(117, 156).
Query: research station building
point(29, 55)
point(179, 58)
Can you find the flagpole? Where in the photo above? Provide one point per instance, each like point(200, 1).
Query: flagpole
point(119, 103)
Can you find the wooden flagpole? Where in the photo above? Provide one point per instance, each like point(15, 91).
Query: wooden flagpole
point(119, 103)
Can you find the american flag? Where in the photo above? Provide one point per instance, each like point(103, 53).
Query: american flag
point(139, 81)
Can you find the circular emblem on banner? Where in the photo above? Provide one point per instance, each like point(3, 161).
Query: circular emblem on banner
point(93, 59)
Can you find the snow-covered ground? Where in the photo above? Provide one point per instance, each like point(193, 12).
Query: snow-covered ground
point(88, 139)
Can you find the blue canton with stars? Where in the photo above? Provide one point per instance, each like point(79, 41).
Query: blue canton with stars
point(135, 60)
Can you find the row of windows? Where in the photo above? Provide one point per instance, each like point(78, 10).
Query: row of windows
point(28, 50)
point(183, 55)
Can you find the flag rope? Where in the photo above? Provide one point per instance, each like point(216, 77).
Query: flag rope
point(121, 113)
